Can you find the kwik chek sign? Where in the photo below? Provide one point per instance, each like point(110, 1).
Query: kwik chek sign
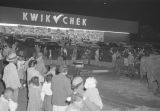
point(34, 17)
point(54, 19)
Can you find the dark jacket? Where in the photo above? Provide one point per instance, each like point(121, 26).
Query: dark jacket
point(61, 88)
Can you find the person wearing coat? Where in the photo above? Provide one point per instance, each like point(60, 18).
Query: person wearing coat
point(61, 89)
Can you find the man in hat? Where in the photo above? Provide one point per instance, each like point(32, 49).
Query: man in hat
point(61, 88)
point(10, 76)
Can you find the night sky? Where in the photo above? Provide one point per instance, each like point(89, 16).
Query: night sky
point(146, 12)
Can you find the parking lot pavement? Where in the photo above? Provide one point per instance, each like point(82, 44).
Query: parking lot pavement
point(118, 94)
point(125, 92)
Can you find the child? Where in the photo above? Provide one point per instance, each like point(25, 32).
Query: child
point(6, 102)
point(46, 94)
point(34, 103)
point(92, 93)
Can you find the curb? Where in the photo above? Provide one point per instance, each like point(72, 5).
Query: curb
point(100, 71)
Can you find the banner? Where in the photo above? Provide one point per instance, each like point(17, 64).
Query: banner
point(54, 19)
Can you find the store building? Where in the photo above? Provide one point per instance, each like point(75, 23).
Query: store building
point(40, 23)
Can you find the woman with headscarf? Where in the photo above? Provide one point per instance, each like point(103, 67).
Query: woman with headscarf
point(31, 71)
point(82, 100)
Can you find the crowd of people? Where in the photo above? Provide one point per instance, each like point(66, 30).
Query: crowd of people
point(138, 62)
point(127, 60)
point(48, 87)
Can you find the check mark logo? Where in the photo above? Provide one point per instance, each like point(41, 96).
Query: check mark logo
point(56, 18)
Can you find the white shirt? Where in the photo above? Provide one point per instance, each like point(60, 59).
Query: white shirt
point(46, 90)
point(10, 76)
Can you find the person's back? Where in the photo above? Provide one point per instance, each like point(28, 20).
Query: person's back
point(60, 89)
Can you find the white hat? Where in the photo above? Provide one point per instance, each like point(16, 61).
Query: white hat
point(91, 82)
point(12, 57)
point(77, 80)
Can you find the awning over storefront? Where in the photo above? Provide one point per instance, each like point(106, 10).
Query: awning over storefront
point(54, 19)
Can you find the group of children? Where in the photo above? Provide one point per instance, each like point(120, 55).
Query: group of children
point(40, 95)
